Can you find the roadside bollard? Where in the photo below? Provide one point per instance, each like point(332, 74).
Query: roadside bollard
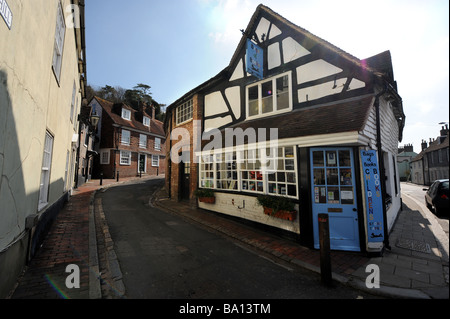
point(101, 178)
point(325, 258)
point(117, 175)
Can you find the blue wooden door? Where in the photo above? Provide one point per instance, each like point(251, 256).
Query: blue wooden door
point(334, 193)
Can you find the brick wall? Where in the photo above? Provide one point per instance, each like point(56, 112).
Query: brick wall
point(174, 175)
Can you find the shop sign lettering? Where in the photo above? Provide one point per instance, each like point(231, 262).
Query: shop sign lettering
point(374, 201)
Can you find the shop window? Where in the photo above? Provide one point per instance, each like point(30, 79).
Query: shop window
point(283, 180)
point(251, 172)
point(207, 171)
point(226, 171)
point(270, 172)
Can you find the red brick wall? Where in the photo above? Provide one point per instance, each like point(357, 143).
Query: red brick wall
point(174, 175)
point(110, 141)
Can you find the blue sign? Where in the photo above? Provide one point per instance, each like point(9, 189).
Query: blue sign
point(255, 60)
point(374, 200)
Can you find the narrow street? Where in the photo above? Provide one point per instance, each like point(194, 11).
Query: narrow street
point(417, 193)
point(164, 256)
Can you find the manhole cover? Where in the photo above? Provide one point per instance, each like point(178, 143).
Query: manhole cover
point(414, 245)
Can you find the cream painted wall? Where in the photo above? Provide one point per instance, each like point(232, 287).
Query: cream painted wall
point(247, 207)
point(31, 102)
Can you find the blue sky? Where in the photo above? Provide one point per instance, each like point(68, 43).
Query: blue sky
point(175, 45)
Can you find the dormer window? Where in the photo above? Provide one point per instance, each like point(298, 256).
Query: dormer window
point(146, 121)
point(126, 114)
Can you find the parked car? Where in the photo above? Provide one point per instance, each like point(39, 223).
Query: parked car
point(437, 197)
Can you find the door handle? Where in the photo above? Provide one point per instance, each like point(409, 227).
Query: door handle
point(355, 210)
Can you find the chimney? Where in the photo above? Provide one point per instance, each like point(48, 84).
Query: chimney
point(409, 148)
point(153, 112)
point(424, 145)
point(444, 131)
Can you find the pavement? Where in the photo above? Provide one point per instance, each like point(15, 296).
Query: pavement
point(416, 267)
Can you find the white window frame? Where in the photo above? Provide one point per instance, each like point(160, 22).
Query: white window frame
point(104, 160)
point(274, 96)
point(157, 143)
point(45, 171)
point(155, 160)
point(184, 112)
point(249, 160)
point(142, 141)
point(72, 106)
point(58, 49)
point(146, 121)
point(125, 138)
point(125, 158)
point(126, 114)
point(66, 172)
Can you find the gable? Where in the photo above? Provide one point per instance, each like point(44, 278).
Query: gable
point(318, 72)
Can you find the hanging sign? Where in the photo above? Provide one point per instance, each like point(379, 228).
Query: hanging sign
point(255, 59)
point(374, 200)
point(6, 13)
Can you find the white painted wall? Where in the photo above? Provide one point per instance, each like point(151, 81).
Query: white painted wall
point(231, 203)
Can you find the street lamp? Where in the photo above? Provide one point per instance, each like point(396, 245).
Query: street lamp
point(94, 120)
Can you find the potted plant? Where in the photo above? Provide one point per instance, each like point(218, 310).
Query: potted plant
point(278, 206)
point(205, 195)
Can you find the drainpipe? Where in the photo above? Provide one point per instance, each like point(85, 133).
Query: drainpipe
point(382, 170)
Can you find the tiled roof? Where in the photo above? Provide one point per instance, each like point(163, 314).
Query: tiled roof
point(339, 117)
point(114, 111)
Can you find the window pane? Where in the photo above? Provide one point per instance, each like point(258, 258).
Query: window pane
point(347, 195)
point(267, 97)
point(283, 93)
point(332, 176)
point(319, 176)
point(346, 176)
point(333, 195)
point(331, 158)
point(344, 158)
point(253, 101)
point(318, 158)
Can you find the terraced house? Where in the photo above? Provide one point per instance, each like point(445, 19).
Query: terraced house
point(130, 142)
point(42, 85)
point(336, 120)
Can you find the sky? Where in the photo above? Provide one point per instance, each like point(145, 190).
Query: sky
point(176, 45)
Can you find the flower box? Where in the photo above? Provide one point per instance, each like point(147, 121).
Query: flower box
point(282, 214)
point(207, 200)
